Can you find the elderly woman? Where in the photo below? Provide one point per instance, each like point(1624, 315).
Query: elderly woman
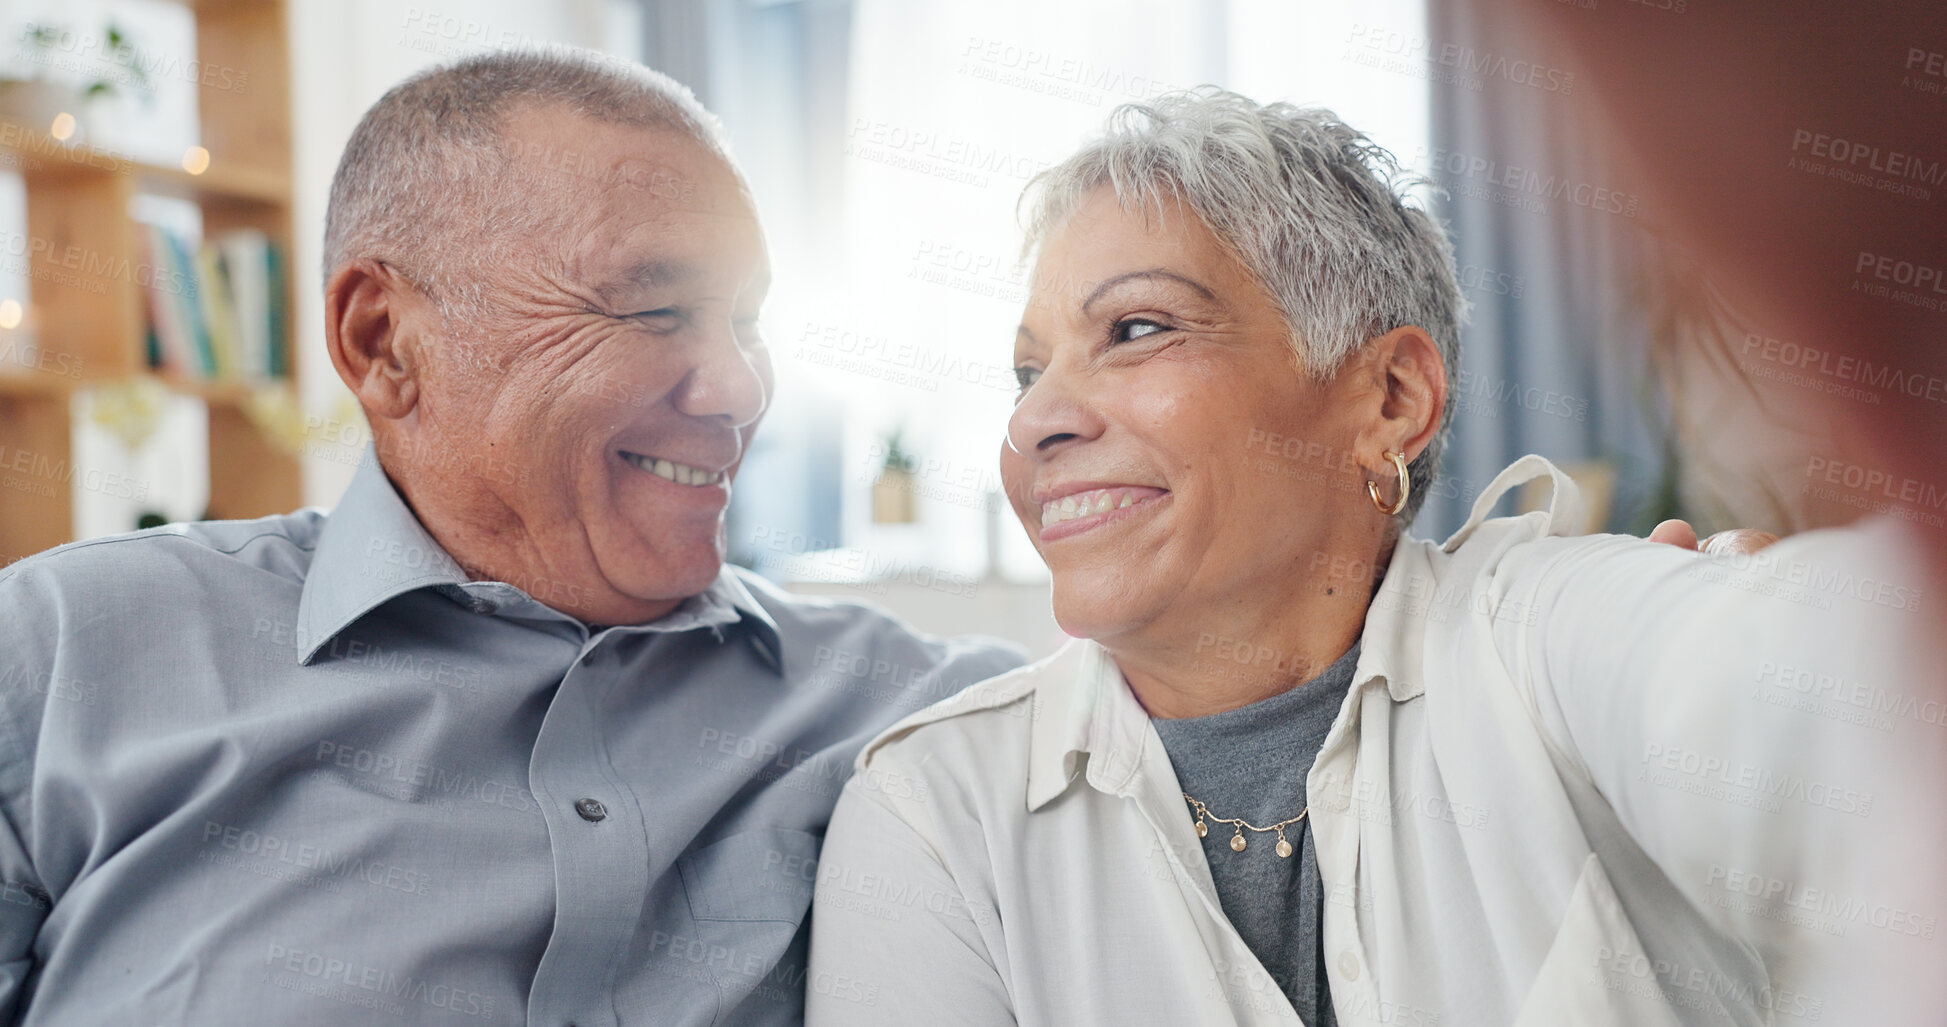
point(1299, 766)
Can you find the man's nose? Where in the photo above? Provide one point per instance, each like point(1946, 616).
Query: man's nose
point(729, 380)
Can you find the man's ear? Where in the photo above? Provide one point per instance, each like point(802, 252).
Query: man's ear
point(375, 321)
point(1405, 364)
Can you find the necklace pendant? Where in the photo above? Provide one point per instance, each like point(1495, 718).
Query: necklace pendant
point(1284, 849)
point(1203, 831)
point(1237, 843)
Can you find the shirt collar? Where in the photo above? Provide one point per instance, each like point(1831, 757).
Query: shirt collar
point(1392, 645)
point(1087, 719)
point(1075, 687)
point(764, 636)
point(373, 549)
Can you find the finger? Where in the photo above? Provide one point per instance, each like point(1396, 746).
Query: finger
point(1737, 542)
point(1676, 533)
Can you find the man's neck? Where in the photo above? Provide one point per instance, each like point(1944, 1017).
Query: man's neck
point(488, 543)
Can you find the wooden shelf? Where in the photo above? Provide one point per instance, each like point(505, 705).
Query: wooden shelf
point(38, 155)
point(226, 392)
point(29, 383)
point(87, 283)
point(36, 500)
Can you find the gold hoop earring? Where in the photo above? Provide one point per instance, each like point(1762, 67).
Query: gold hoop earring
point(1405, 487)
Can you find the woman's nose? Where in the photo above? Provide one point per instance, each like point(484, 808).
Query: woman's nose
point(1055, 413)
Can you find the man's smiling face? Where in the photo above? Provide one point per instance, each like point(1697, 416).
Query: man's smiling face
point(589, 421)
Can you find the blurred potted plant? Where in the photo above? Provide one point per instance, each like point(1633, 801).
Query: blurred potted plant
point(27, 93)
point(893, 491)
point(37, 95)
point(125, 70)
point(115, 74)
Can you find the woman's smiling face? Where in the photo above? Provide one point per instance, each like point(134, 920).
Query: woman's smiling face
point(1169, 456)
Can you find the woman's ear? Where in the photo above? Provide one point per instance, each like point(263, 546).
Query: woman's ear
point(1407, 368)
point(375, 320)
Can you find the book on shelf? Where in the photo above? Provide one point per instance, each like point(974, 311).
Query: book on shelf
point(216, 312)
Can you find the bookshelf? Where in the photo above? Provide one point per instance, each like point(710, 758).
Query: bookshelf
point(87, 261)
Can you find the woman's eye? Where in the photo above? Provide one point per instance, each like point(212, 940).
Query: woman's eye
point(1134, 328)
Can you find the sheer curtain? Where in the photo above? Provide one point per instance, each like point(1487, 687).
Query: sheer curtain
point(900, 289)
point(895, 313)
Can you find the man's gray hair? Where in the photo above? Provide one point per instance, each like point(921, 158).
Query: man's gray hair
point(1312, 208)
point(429, 183)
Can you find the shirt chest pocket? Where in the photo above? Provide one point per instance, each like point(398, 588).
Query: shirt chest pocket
point(747, 895)
point(760, 876)
point(1596, 973)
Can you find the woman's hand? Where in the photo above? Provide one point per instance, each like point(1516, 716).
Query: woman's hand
point(1742, 541)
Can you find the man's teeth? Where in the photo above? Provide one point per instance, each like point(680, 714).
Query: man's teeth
point(681, 474)
point(1084, 504)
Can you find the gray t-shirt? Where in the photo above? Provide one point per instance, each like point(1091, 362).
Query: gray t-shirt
point(1251, 763)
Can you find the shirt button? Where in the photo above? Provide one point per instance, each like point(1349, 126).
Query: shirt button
point(588, 659)
point(1349, 965)
point(591, 810)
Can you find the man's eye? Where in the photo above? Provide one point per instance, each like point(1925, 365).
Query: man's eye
point(1025, 376)
point(1134, 328)
point(661, 317)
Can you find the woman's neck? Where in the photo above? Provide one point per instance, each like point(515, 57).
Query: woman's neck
point(1225, 657)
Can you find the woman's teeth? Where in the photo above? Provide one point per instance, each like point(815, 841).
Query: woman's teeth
point(681, 474)
point(1084, 504)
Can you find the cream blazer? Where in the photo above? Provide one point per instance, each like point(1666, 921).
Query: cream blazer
point(1576, 781)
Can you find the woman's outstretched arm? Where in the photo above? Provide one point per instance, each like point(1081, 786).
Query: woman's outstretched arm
point(893, 939)
point(1768, 730)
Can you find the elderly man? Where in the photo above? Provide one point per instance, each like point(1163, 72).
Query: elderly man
point(500, 739)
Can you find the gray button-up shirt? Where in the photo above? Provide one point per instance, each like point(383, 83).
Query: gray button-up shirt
point(301, 770)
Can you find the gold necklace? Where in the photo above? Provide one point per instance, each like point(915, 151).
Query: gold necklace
point(1238, 844)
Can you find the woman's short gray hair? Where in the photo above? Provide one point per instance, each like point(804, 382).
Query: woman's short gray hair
point(1310, 206)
